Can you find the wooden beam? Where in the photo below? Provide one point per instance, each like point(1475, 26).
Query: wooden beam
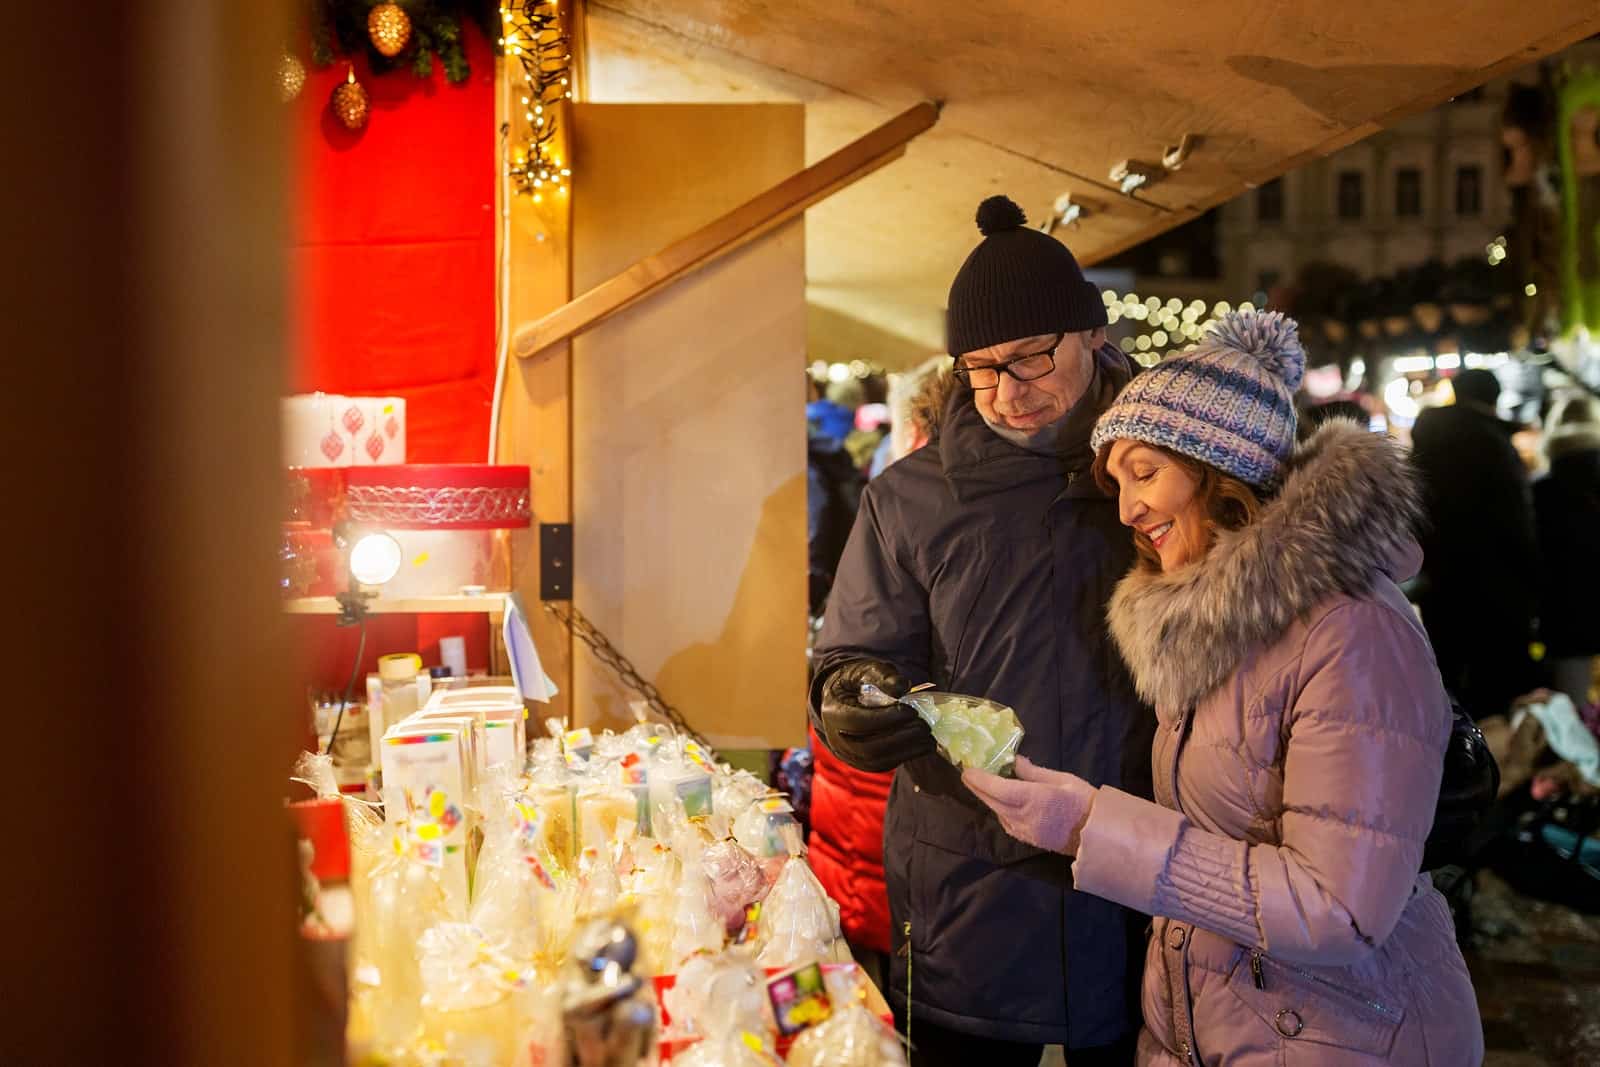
point(743, 224)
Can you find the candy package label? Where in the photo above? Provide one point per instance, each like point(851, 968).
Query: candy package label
point(425, 785)
point(579, 744)
point(799, 999)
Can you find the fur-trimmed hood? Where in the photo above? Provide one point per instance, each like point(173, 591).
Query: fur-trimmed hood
point(1345, 514)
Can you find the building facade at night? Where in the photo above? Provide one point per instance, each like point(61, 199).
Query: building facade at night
point(1430, 188)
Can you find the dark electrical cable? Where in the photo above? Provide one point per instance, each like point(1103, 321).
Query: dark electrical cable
point(349, 690)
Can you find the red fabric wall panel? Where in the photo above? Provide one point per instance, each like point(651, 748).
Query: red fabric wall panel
point(392, 256)
point(392, 288)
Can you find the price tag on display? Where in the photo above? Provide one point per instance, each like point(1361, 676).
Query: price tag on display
point(634, 771)
point(578, 743)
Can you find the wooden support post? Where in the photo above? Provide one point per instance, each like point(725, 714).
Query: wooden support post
point(738, 227)
point(536, 405)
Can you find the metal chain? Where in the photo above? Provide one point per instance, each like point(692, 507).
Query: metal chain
point(607, 653)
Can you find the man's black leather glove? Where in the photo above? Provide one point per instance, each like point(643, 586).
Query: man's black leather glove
point(868, 738)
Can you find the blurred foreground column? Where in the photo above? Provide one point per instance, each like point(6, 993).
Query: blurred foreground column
point(149, 889)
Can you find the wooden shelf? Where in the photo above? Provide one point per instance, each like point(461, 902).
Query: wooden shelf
point(457, 604)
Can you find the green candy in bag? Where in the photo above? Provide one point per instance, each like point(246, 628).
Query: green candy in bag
point(971, 731)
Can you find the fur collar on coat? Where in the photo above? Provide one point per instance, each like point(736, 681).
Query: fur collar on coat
point(1346, 513)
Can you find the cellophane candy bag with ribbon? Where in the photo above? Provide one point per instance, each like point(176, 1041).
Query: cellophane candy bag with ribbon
point(506, 889)
point(599, 888)
point(799, 923)
point(723, 999)
point(467, 1005)
point(850, 1037)
point(768, 830)
point(733, 793)
point(651, 888)
point(971, 731)
point(696, 929)
point(737, 881)
point(406, 899)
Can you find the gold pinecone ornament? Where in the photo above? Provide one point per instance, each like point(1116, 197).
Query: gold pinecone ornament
point(291, 77)
point(390, 29)
point(350, 102)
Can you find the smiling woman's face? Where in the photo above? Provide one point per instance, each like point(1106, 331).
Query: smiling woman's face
point(1158, 497)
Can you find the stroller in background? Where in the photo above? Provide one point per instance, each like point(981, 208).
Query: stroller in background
point(1542, 837)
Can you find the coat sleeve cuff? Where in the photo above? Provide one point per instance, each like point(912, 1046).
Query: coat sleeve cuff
point(1207, 883)
point(1123, 849)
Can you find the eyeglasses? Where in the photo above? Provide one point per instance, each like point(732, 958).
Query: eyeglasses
point(1026, 368)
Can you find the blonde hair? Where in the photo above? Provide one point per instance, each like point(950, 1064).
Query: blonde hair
point(916, 401)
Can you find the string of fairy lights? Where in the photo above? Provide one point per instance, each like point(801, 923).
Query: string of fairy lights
point(534, 35)
point(1172, 324)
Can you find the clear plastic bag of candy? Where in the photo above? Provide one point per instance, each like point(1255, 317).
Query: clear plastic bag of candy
point(651, 886)
point(696, 928)
point(768, 830)
point(506, 888)
point(405, 899)
point(737, 881)
point(599, 888)
point(467, 1007)
point(971, 731)
point(732, 793)
point(852, 1036)
point(718, 996)
point(799, 922)
point(607, 816)
point(555, 804)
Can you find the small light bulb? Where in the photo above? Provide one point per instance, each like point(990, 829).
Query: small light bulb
point(1530, 289)
point(374, 559)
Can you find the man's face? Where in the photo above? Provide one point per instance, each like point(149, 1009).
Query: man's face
point(1030, 406)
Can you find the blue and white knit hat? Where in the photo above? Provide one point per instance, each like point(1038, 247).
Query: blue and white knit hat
point(1227, 401)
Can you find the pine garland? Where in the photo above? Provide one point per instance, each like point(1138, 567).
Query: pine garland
point(339, 27)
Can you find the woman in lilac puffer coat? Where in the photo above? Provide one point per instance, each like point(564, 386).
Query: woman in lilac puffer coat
point(1303, 731)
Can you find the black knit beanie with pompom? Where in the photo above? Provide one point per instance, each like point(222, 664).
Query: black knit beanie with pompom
point(1018, 282)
